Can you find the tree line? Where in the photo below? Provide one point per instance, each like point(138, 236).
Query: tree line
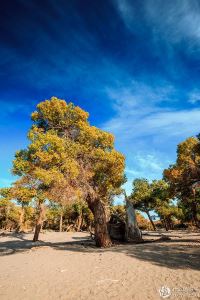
point(69, 162)
point(21, 217)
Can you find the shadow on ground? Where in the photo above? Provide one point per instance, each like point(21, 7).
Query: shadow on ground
point(177, 253)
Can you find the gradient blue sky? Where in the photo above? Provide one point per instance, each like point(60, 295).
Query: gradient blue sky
point(133, 65)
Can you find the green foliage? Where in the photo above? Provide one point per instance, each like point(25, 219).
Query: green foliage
point(155, 196)
point(70, 214)
point(119, 211)
point(21, 193)
point(67, 159)
point(146, 195)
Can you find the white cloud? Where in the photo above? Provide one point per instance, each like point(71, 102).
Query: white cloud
point(149, 161)
point(175, 20)
point(147, 130)
point(194, 96)
point(140, 112)
point(145, 165)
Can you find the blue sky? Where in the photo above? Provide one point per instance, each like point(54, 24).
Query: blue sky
point(133, 65)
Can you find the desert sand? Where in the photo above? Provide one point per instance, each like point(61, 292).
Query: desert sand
point(68, 266)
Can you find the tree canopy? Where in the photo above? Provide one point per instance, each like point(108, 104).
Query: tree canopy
point(66, 153)
point(185, 174)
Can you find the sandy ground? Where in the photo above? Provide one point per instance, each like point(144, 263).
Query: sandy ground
point(68, 266)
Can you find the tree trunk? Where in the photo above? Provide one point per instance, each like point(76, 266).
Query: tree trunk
point(151, 221)
point(7, 211)
point(165, 224)
point(69, 227)
point(133, 232)
point(61, 221)
point(102, 237)
point(194, 214)
point(82, 222)
point(21, 220)
point(39, 222)
point(79, 221)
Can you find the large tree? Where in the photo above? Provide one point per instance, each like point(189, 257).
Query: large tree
point(67, 153)
point(184, 176)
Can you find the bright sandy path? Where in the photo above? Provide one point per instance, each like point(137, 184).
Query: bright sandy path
point(67, 266)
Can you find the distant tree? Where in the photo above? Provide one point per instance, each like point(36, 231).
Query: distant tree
point(155, 196)
point(23, 195)
point(168, 214)
point(142, 199)
point(143, 223)
point(119, 211)
point(26, 189)
point(78, 209)
point(9, 213)
point(160, 195)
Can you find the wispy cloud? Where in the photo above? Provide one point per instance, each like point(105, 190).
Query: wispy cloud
point(164, 123)
point(142, 110)
point(137, 72)
point(145, 165)
point(148, 128)
point(176, 20)
point(194, 96)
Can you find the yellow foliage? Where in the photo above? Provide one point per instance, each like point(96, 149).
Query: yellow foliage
point(66, 152)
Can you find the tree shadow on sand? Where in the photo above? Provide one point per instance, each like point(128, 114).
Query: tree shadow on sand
point(174, 253)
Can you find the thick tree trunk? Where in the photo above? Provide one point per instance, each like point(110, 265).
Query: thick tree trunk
point(61, 221)
point(133, 232)
point(39, 222)
point(150, 219)
point(102, 237)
